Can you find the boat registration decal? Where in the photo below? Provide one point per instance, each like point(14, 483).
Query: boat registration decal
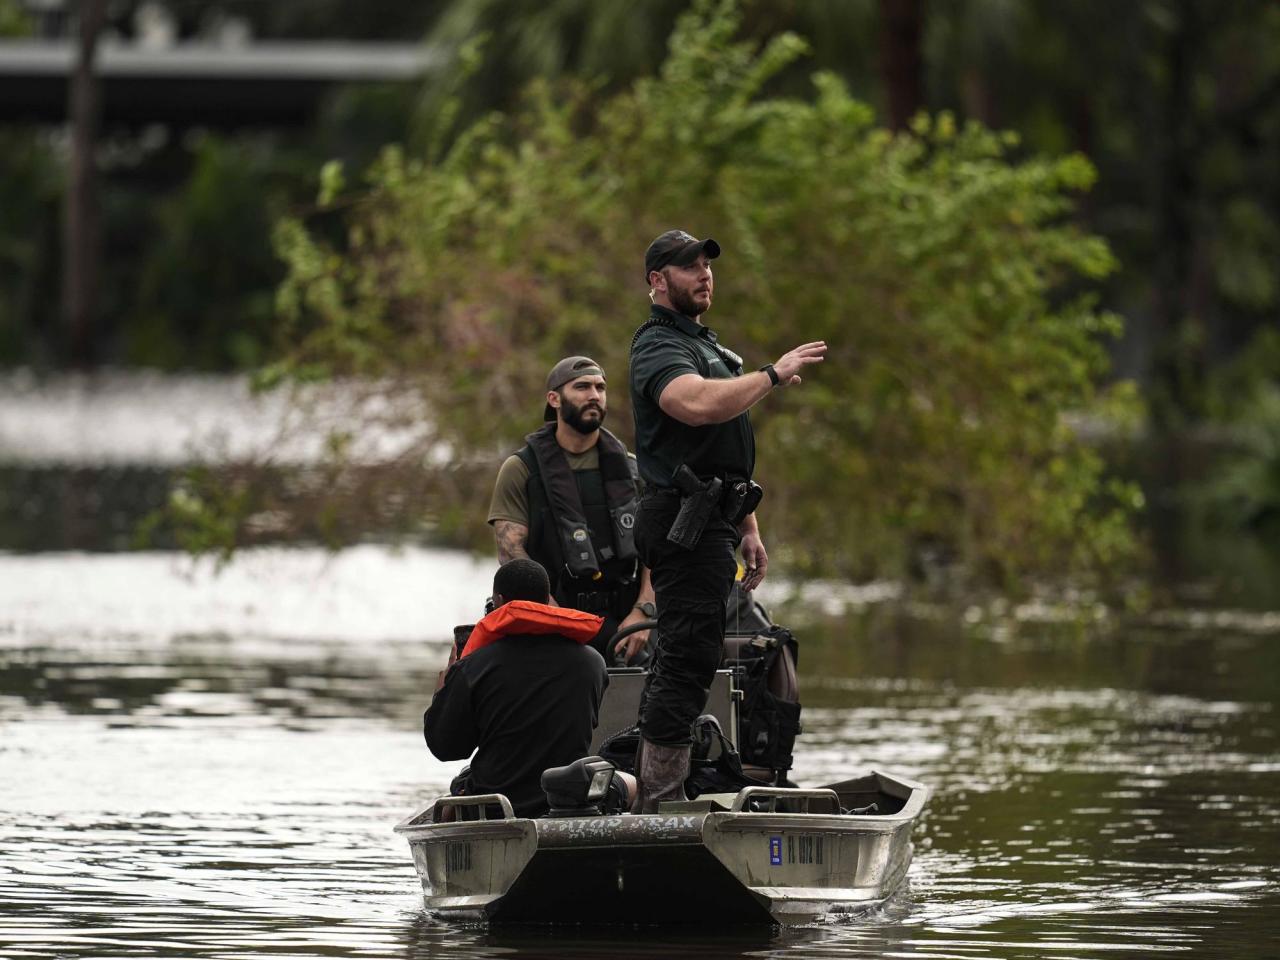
point(457, 857)
point(804, 848)
point(775, 851)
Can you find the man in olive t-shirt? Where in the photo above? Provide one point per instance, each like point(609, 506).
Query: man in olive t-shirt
point(573, 466)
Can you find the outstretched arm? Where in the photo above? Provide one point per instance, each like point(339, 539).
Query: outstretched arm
point(698, 401)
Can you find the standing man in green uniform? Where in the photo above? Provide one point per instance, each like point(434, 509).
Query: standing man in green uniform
point(697, 452)
point(568, 500)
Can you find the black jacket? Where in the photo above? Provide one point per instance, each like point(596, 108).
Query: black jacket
point(523, 704)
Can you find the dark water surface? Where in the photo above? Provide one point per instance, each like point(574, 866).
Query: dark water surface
point(1110, 791)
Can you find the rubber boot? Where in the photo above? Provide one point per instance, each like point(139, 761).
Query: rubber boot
point(661, 772)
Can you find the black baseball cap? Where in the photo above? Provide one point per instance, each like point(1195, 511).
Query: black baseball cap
point(570, 368)
point(678, 247)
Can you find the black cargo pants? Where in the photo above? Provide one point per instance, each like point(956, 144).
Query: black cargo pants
point(690, 588)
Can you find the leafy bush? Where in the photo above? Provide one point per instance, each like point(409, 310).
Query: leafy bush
point(941, 267)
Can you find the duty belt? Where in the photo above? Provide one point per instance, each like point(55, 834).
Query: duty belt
point(731, 498)
point(672, 493)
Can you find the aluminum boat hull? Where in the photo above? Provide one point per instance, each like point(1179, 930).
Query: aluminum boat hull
point(775, 856)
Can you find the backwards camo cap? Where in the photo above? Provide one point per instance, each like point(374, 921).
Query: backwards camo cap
point(570, 368)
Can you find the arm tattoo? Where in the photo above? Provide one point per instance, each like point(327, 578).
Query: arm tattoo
point(512, 538)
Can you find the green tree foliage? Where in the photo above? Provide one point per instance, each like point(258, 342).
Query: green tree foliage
point(612, 44)
point(1242, 491)
point(934, 263)
point(13, 21)
point(188, 270)
point(209, 260)
point(1178, 102)
point(28, 185)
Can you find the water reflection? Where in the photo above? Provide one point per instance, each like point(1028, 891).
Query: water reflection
point(202, 680)
point(1107, 794)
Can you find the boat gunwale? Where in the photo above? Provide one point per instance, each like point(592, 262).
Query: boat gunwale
point(669, 828)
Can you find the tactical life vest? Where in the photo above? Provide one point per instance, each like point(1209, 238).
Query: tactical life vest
point(581, 522)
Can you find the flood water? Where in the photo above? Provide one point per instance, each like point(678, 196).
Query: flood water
point(210, 766)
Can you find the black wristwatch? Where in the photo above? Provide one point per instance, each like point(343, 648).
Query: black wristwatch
point(773, 374)
point(647, 608)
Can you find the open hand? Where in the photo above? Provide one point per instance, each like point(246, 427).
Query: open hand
point(754, 559)
point(789, 365)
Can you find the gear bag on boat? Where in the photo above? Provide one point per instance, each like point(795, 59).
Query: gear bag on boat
point(764, 656)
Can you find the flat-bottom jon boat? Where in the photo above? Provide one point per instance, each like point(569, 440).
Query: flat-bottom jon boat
point(764, 855)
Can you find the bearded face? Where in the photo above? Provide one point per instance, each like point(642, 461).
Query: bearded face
point(586, 417)
point(689, 289)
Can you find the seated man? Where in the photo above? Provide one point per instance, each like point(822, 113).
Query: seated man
point(524, 695)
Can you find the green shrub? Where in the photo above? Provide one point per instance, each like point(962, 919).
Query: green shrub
point(941, 267)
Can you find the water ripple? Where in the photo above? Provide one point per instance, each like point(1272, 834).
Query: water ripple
point(228, 799)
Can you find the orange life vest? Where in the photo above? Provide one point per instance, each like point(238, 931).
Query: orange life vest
point(527, 617)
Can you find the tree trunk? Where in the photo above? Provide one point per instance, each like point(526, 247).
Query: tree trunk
point(80, 236)
point(902, 58)
point(1179, 366)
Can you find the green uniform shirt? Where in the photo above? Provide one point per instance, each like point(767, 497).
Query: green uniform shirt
point(660, 354)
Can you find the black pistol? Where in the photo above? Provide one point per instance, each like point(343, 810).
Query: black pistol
point(741, 499)
point(697, 502)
